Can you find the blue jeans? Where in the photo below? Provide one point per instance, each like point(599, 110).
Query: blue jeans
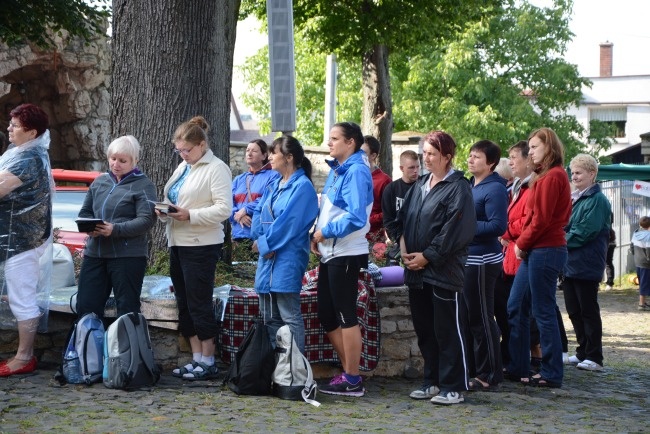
point(534, 287)
point(280, 308)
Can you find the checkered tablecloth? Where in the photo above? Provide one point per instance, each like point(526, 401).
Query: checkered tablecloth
point(243, 306)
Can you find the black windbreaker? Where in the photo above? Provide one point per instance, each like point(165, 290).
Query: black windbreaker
point(441, 226)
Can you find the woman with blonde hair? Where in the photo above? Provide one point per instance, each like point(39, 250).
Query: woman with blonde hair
point(115, 256)
point(200, 197)
point(541, 247)
point(587, 237)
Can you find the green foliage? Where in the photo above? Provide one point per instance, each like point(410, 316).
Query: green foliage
point(350, 28)
point(600, 136)
point(33, 20)
point(159, 264)
point(500, 78)
point(310, 90)
point(241, 275)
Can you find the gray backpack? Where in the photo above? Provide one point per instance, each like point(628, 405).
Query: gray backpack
point(128, 356)
point(293, 378)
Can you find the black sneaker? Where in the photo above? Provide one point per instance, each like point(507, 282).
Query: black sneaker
point(343, 388)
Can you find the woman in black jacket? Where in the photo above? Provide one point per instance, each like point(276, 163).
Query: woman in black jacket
point(435, 226)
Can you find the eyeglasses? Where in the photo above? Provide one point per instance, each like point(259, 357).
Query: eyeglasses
point(183, 151)
point(14, 126)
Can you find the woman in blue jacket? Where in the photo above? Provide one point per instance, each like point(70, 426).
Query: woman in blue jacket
point(247, 190)
point(280, 228)
point(340, 241)
point(484, 265)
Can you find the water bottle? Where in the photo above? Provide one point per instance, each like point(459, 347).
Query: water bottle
point(72, 367)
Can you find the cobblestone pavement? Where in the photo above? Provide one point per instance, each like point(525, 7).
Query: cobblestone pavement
point(616, 400)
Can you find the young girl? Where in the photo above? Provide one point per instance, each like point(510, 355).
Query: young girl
point(641, 245)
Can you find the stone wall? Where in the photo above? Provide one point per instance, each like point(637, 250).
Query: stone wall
point(400, 355)
point(70, 82)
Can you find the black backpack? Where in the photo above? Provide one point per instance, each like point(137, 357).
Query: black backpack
point(252, 370)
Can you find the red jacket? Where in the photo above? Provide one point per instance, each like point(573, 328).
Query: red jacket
point(516, 217)
point(548, 209)
point(379, 182)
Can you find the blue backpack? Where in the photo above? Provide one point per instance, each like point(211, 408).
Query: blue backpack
point(83, 357)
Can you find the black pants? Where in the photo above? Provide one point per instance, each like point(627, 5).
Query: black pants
point(501, 294)
point(192, 272)
point(581, 301)
point(480, 327)
point(609, 265)
point(442, 343)
point(338, 290)
point(100, 276)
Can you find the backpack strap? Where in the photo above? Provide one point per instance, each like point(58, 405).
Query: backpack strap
point(145, 348)
point(72, 333)
point(134, 319)
point(310, 385)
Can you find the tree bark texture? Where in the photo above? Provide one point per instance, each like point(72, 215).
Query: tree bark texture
point(376, 115)
point(172, 60)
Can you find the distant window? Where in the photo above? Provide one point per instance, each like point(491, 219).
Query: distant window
point(614, 117)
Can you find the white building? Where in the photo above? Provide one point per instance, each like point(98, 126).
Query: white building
point(623, 101)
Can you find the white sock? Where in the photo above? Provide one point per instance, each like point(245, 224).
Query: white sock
point(207, 360)
point(197, 357)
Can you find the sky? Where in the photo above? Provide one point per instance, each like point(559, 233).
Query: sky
point(621, 22)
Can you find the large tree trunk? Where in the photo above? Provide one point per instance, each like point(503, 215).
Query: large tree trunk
point(172, 59)
point(377, 116)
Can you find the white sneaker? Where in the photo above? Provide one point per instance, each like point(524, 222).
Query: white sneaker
point(565, 358)
point(608, 287)
point(573, 360)
point(425, 392)
point(448, 398)
point(588, 365)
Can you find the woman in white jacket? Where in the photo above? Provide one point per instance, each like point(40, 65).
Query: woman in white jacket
point(199, 194)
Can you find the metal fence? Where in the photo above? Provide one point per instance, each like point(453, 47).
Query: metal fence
point(627, 208)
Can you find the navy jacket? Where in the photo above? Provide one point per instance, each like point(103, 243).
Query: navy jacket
point(491, 204)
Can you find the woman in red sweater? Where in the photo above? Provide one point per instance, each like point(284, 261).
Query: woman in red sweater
point(541, 247)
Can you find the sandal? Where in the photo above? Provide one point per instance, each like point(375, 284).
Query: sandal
point(206, 373)
point(540, 382)
point(514, 377)
point(182, 370)
point(478, 384)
